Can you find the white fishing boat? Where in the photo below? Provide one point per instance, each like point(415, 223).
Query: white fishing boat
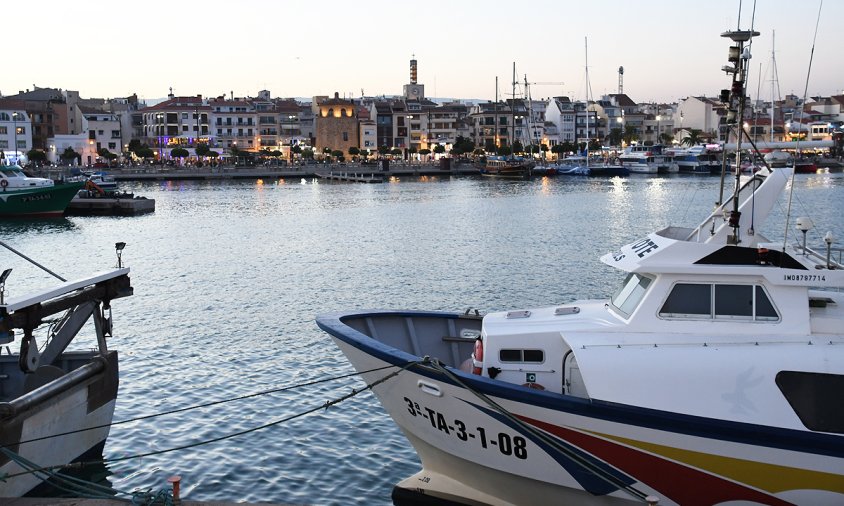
point(713, 375)
point(56, 400)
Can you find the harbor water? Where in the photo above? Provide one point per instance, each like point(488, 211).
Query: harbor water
point(229, 275)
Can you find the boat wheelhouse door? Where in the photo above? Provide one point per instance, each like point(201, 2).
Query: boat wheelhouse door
point(572, 379)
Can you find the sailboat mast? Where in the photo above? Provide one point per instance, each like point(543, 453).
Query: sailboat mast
point(495, 113)
point(773, 73)
point(513, 111)
point(586, 60)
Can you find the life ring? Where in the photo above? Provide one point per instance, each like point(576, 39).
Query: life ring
point(4, 183)
point(535, 386)
point(478, 357)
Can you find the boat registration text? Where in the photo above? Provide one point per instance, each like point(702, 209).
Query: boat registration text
point(515, 446)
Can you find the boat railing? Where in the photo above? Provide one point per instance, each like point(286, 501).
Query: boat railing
point(827, 259)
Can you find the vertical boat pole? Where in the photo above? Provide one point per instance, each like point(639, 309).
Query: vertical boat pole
point(739, 57)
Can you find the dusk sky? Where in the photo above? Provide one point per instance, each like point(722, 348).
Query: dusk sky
point(669, 48)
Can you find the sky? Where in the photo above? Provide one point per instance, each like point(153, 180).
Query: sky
point(669, 49)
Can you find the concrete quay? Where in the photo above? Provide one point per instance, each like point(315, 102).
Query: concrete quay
point(295, 171)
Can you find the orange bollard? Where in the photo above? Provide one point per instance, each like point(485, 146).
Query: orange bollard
point(175, 480)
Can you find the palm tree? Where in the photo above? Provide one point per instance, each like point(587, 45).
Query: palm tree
point(693, 137)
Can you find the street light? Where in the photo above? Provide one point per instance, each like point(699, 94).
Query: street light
point(15, 121)
point(658, 129)
point(620, 121)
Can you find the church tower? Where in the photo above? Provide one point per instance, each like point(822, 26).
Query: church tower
point(414, 91)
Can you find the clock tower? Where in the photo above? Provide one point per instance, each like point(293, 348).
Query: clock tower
point(414, 90)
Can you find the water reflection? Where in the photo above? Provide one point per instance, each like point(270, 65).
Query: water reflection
point(13, 226)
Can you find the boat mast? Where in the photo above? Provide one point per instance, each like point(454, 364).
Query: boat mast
point(586, 61)
point(513, 113)
point(739, 58)
point(773, 78)
point(495, 112)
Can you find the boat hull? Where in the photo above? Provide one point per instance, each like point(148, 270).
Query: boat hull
point(462, 441)
point(44, 201)
point(74, 401)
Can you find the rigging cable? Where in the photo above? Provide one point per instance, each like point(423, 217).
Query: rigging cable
point(802, 110)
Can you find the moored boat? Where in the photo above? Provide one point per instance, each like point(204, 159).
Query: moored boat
point(507, 167)
point(696, 160)
point(711, 376)
point(24, 196)
point(56, 399)
point(641, 159)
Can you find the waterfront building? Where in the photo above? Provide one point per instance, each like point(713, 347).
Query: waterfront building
point(561, 113)
point(336, 123)
point(368, 132)
point(587, 126)
point(51, 111)
point(15, 130)
point(176, 122)
point(382, 111)
point(701, 113)
point(104, 129)
point(445, 123)
point(500, 124)
point(80, 143)
point(234, 124)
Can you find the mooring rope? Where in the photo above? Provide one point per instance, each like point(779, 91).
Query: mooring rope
point(200, 406)
point(232, 435)
point(88, 489)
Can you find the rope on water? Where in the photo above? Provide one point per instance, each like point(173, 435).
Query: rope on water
point(200, 406)
point(542, 435)
point(87, 489)
point(324, 405)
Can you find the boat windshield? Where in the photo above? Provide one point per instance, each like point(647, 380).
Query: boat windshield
point(627, 298)
point(9, 172)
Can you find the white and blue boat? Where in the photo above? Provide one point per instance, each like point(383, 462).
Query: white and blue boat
point(713, 375)
point(697, 159)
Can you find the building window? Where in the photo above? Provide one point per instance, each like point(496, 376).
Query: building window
point(112, 145)
point(184, 115)
point(3, 130)
point(345, 136)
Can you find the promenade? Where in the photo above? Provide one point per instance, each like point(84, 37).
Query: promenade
point(157, 173)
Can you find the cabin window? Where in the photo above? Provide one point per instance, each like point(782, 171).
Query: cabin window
point(719, 302)
point(628, 297)
point(524, 356)
point(688, 300)
point(815, 398)
point(764, 308)
point(734, 302)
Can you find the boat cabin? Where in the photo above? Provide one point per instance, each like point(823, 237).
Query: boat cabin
point(686, 298)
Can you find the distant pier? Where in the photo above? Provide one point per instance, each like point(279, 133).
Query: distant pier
point(159, 173)
point(351, 177)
